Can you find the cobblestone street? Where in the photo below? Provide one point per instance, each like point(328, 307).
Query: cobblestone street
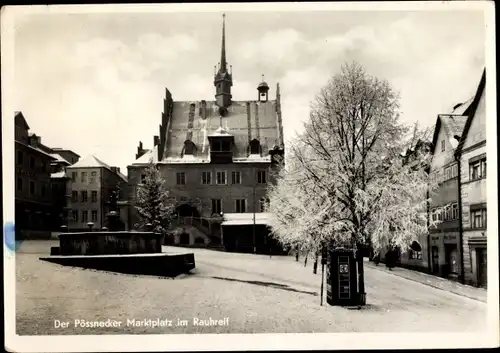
point(257, 294)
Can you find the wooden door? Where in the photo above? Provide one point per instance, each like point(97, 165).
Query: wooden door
point(482, 268)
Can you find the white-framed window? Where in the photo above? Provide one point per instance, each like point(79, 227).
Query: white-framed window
point(454, 170)
point(74, 216)
point(206, 178)
point(240, 206)
point(446, 213)
point(74, 176)
point(181, 178)
point(220, 178)
point(84, 177)
point(415, 255)
point(478, 218)
point(454, 211)
point(93, 177)
point(85, 216)
point(434, 215)
point(236, 177)
point(94, 215)
point(477, 169)
point(447, 173)
point(261, 177)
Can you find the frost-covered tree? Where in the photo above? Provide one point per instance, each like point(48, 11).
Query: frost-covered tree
point(348, 182)
point(152, 203)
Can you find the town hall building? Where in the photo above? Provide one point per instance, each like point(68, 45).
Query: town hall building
point(217, 157)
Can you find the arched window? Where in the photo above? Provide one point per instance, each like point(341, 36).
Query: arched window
point(254, 146)
point(189, 147)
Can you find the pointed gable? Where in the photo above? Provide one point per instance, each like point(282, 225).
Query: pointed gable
point(20, 120)
point(473, 110)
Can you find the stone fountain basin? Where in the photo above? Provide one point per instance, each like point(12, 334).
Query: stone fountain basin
point(157, 264)
point(108, 243)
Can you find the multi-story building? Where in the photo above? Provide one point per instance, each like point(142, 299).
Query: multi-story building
point(471, 158)
point(91, 183)
point(33, 200)
point(216, 157)
point(445, 253)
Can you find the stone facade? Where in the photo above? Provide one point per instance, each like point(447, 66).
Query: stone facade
point(472, 154)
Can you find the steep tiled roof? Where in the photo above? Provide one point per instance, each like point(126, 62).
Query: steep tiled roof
point(472, 111)
point(453, 125)
point(245, 120)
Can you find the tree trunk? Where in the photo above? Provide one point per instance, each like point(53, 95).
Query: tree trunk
point(315, 265)
point(305, 260)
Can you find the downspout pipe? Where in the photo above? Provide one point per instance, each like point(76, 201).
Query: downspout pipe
point(460, 227)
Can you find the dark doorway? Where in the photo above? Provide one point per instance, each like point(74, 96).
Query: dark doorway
point(184, 238)
point(482, 269)
point(452, 260)
point(435, 260)
point(187, 210)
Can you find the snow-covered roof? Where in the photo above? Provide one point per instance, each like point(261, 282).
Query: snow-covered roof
point(239, 219)
point(460, 109)
point(92, 161)
point(220, 132)
point(146, 157)
point(59, 158)
point(58, 175)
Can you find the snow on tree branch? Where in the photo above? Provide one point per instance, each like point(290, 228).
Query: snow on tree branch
point(153, 204)
point(357, 175)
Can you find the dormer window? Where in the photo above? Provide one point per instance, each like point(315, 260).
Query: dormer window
point(189, 148)
point(221, 146)
point(255, 147)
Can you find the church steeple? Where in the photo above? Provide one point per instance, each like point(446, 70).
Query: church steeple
point(223, 78)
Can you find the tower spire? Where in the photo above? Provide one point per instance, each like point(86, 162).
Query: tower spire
point(223, 46)
point(223, 79)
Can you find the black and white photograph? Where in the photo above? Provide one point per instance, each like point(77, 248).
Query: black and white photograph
point(249, 176)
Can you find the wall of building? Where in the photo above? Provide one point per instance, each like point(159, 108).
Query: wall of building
point(445, 237)
point(34, 208)
point(474, 193)
point(90, 184)
point(203, 194)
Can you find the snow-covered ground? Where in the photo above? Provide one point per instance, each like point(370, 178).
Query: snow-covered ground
point(257, 294)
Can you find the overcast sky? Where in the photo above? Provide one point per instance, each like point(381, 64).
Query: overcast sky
point(94, 83)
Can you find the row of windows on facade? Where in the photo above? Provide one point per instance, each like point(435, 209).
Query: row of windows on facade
point(41, 190)
point(478, 217)
point(83, 177)
point(220, 178)
point(84, 216)
point(222, 146)
point(84, 196)
point(477, 170)
point(32, 161)
point(240, 205)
